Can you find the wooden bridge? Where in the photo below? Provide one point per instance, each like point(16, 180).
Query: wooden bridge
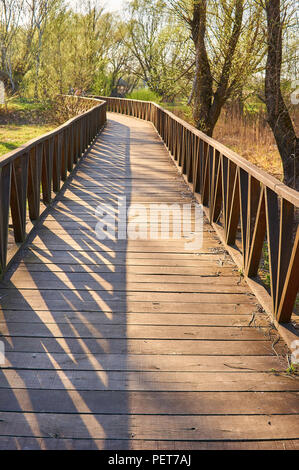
point(119, 343)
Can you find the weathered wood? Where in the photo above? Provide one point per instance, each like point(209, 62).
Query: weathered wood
point(149, 381)
point(137, 363)
point(54, 443)
point(34, 180)
point(137, 332)
point(139, 318)
point(144, 427)
point(38, 166)
point(291, 285)
point(160, 403)
point(240, 181)
point(146, 346)
point(47, 170)
point(113, 341)
point(5, 186)
point(18, 196)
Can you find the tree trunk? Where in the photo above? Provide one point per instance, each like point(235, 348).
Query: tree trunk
point(203, 90)
point(207, 103)
point(278, 116)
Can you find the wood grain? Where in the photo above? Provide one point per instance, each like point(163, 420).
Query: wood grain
point(117, 344)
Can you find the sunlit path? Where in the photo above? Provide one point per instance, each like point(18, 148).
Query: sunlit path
point(135, 344)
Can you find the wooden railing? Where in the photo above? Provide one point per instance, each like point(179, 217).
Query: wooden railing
point(35, 170)
point(238, 197)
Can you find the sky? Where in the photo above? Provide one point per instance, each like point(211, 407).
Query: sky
point(113, 5)
point(110, 5)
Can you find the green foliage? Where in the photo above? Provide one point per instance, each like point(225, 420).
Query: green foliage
point(66, 107)
point(144, 94)
point(160, 49)
point(55, 48)
point(26, 104)
point(292, 369)
point(265, 266)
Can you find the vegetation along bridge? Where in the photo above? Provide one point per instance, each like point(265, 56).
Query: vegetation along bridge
point(115, 343)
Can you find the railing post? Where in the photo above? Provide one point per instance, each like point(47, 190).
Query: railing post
point(18, 195)
point(5, 185)
point(34, 180)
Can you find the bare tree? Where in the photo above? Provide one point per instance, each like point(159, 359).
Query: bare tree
point(39, 13)
point(278, 115)
point(226, 36)
point(10, 11)
point(159, 47)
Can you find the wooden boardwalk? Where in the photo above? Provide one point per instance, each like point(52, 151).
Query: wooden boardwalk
point(123, 344)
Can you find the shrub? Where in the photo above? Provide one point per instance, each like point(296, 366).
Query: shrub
point(144, 94)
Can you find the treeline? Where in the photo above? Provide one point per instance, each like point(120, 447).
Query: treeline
point(47, 47)
point(205, 53)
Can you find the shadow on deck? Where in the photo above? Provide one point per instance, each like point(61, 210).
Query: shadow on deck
point(133, 344)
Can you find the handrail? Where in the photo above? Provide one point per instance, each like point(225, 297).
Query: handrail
point(236, 195)
point(35, 170)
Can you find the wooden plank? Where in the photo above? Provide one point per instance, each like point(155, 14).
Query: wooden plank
point(124, 285)
point(153, 318)
point(65, 330)
point(25, 276)
point(205, 269)
point(147, 381)
point(144, 427)
point(145, 346)
point(158, 403)
point(91, 245)
point(148, 256)
point(142, 307)
point(141, 362)
point(112, 343)
point(37, 297)
point(35, 255)
point(55, 443)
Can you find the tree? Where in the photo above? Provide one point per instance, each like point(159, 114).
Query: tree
point(278, 115)
point(160, 47)
point(10, 12)
point(39, 11)
point(228, 49)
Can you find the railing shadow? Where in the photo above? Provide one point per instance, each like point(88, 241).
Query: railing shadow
point(63, 312)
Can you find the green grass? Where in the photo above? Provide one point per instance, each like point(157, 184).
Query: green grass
point(23, 104)
point(21, 120)
point(12, 136)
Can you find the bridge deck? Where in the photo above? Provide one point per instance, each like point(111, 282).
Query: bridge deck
point(139, 344)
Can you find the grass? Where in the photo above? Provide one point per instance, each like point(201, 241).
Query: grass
point(248, 135)
point(251, 138)
point(20, 121)
point(12, 135)
point(25, 104)
point(19, 109)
